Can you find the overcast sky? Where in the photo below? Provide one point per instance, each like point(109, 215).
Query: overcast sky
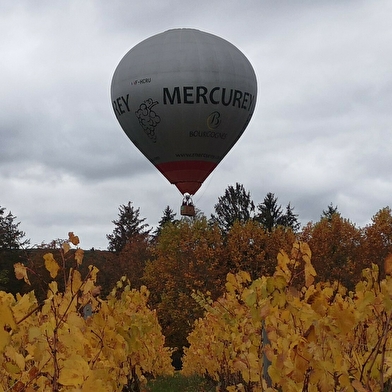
point(321, 132)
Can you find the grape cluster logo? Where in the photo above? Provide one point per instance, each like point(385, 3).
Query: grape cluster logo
point(148, 119)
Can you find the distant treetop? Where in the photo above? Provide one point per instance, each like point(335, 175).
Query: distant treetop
point(10, 235)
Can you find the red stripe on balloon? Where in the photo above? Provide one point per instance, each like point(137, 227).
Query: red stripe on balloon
point(187, 176)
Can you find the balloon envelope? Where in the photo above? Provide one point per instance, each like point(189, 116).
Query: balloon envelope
point(184, 97)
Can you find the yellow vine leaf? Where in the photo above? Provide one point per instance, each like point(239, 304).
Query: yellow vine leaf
point(74, 370)
point(53, 287)
point(322, 378)
point(74, 239)
point(93, 383)
point(306, 252)
point(357, 385)
point(79, 256)
point(283, 260)
point(88, 286)
point(7, 323)
point(24, 304)
point(303, 249)
point(280, 283)
point(244, 275)
point(21, 272)
point(34, 333)
point(345, 319)
point(240, 365)
point(364, 299)
point(275, 374)
point(11, 368)
point(51, 265)
point(310, 273)
point(388, 366)
point(231, 282)
point(17, 358)
point(74, 280)
point(388, 264)
point(250, 297)
point(66, 247)
point(93, 272)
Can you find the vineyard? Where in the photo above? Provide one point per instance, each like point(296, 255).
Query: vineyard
point(76, 341)
point(266, 335)
point(282, 332)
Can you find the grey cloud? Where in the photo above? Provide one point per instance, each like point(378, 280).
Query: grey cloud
point(320, 133)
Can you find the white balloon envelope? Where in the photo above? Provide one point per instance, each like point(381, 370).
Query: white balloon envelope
point(184, 97)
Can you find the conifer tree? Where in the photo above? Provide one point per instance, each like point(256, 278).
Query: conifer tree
point(10, 235)
point(329, 212)
point(271, 214)
point(290, 219)
point(168, 216)
point(127, 226)
point(235, 205)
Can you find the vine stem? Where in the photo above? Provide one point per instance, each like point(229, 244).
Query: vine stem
point(385, 339)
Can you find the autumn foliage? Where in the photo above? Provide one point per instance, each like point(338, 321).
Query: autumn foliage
point(252, 309)
point(187, 257)
point(265, 335)
point(74, 340)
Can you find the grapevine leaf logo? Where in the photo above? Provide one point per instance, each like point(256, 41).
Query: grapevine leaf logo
point(148, 119)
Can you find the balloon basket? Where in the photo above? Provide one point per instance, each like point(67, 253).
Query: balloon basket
point(187, 207)
point(188, 210)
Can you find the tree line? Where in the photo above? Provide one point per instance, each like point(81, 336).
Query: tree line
point(194, 255)
point(235, 205)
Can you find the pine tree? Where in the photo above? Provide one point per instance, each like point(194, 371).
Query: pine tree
point(289, 219)
point(168, 216)
point(127, 226)
point(329, 212)
point(271, 214)
point(10, 235)
point(234, 205)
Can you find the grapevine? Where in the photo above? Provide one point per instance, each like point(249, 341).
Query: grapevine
point(320, 337)
point(57, 345)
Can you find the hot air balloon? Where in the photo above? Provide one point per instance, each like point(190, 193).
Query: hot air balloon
point(184, 97)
